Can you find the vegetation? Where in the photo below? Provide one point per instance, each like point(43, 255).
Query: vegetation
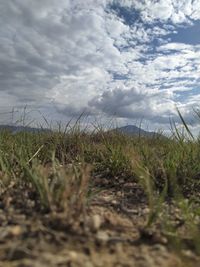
point(63, 170)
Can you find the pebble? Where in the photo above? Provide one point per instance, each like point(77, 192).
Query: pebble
point(160, 248)
point(189, 254)
point(119, 194)
point(102, 236)
point(73, 255)
point(114, 202)
point(146, 211)
point(15, 230)
point(157, 238)
point(96, 222)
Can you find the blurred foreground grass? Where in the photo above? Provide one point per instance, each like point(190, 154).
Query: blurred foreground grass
point(59, 168)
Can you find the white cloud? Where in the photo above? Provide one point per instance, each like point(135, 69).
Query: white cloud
point(81, 55)
point(179, 11)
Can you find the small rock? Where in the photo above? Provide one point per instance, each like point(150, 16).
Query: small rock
point(102, 236)
point(157, 238)
point(73, 255)
point(15, 230)
point(146, 211)
point(160, 248)
point(119, 194)
point(96, 222)
point(189, 254)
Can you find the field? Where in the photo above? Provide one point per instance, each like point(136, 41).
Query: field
point(77, 198)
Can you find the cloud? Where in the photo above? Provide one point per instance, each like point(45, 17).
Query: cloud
point(133, 103)
point(179, 11)
point(98, 56)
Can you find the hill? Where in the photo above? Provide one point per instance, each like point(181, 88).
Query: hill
point(16, 129)
point(136, 131)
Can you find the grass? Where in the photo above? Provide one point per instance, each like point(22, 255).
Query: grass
point(60, 167)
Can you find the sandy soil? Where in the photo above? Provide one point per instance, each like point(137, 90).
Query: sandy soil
point(111, 233)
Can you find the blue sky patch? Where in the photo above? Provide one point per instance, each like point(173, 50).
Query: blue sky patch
point(188, 34)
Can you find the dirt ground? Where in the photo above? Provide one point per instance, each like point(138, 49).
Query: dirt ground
point(110, 234)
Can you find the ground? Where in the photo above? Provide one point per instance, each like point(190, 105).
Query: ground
point(110, 233)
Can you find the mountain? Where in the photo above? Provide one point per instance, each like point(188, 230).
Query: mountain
point(17, 129)
point(131, 130)
point(136, 131)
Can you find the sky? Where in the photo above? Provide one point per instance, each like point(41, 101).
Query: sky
point(129, 59)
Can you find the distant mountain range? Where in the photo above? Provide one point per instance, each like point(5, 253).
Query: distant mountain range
point(136, 131)
point(17, 129)
point(131, 130)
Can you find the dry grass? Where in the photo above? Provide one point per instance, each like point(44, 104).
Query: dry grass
point(64, 170)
